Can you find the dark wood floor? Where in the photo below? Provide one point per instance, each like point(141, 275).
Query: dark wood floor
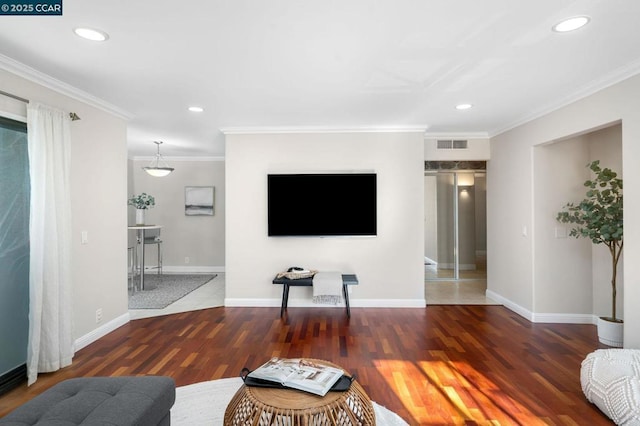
point(441, 365)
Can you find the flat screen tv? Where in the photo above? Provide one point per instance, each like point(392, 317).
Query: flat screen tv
point(322, 205)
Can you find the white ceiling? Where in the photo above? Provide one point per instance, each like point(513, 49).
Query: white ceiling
point(327, 64)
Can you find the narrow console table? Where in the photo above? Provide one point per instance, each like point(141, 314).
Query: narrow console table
point(347, 279)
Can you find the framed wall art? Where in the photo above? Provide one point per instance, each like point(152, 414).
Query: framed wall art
point(199, 200)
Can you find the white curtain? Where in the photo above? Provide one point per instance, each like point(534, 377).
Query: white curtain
point(50, 312)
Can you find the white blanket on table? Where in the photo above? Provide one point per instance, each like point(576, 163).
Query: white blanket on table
point(327, 287)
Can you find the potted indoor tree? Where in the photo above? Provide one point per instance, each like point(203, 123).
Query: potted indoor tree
point(141, 202)
point(599, 218)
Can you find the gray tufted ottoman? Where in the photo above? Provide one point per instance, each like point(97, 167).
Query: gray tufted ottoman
point(99, 401)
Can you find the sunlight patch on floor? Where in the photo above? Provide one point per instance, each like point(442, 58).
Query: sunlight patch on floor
point(450, 387)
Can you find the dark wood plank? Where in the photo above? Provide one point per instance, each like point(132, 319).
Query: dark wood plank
point(435, 366)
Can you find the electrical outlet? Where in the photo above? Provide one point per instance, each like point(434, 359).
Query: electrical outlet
point(98, 315)
point(186, 259)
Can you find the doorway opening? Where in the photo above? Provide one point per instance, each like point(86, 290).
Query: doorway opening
point(455, 243)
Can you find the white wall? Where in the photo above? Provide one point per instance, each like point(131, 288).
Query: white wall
point(562, 265)
point(389, 266)
point(430, 217)
point(200, 238)
point(98, 194)
point(510, 197)
point(480, 189)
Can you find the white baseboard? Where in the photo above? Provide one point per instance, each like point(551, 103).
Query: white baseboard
point(388, 303)
point(192, 269)
point(306, 303)
point(566, 318)
point(101, 331)
point(559, 318)
point(253, 303)
point(510, 305)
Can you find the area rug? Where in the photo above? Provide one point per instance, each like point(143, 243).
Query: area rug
point(204, 403)
point(163, 290)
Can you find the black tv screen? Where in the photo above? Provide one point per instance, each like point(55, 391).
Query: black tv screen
point(330, 204)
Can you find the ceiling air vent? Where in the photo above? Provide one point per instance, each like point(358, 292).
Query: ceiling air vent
point(460, 144)
point(445, 143)
point(452, 144)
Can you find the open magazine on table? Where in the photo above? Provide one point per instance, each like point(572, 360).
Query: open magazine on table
point(302, 374)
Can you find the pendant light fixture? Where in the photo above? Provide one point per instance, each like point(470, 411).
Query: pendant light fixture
point(158, 166)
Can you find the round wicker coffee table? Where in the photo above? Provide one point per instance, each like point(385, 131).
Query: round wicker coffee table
point(258, 406)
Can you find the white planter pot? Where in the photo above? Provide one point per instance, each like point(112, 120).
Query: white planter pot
point(610, 333)
point(140, 216)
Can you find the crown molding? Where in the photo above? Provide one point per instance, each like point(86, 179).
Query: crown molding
point(304, 129)
point(615, 77)
point(61, 87)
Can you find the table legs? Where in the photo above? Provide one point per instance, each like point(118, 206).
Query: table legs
point(141, 261)
point(285, 298)
point(346, 299)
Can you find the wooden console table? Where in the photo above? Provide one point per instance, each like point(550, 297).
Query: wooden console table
point(347, 279)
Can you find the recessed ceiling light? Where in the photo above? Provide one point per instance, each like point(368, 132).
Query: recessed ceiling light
point(463, 106)
point(196, 109)
point(91, 34)
point(571, 24)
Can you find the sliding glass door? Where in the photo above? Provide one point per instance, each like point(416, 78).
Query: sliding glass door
point(14, 249)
